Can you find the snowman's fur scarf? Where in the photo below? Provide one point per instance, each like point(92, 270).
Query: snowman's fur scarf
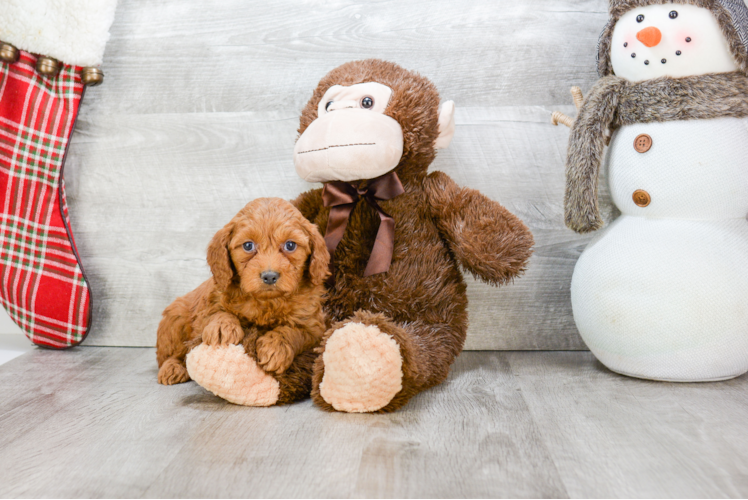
point(738, 47)
point(614, 102)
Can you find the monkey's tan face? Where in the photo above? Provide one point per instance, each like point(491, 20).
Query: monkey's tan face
point(351, 138)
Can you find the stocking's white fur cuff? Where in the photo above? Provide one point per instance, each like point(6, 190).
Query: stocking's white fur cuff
point(72, 31)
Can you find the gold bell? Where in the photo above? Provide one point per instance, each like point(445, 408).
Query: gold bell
point(8, 53)
point(47, 66)
point(92, 76)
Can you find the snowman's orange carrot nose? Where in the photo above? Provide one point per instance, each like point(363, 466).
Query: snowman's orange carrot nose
point(649, 36)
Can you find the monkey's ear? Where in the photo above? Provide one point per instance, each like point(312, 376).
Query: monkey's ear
point(219, 257)
point(446, 125)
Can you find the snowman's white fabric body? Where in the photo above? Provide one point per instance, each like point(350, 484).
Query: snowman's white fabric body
point(662, 293)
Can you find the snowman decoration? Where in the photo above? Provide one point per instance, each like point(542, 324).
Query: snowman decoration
point(662, 292)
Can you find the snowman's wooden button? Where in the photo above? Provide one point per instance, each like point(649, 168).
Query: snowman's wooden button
point(641, 198)
point(642, 143)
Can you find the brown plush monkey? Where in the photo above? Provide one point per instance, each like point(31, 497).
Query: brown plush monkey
point(398, 235)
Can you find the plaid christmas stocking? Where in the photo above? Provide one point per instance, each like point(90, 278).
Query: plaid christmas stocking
point(42, 284)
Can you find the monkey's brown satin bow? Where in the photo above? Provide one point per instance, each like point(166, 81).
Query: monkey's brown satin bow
point(342, 197)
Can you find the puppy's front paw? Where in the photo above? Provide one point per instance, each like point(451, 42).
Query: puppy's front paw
point(274, 354)
point(223, 329)
point(172, 372)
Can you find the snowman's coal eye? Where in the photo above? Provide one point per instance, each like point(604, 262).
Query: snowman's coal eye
point(639, 18)
point(673, 14)
point(367, 102)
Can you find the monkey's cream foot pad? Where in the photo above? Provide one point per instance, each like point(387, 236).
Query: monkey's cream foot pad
point(228, 372)
point(363, 369)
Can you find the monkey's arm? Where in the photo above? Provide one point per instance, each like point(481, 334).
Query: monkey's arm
point(488, 241)
point(309, 203)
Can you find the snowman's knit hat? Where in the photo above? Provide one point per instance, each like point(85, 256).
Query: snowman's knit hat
point(732, 16)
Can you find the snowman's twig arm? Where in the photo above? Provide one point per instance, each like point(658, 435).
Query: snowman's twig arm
point(558, 117)
point(585, 154)
point(576, 94)
point(486, 239)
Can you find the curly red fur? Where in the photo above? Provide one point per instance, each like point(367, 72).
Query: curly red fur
point(279, 323)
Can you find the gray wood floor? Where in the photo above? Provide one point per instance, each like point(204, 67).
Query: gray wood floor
point(92, 422)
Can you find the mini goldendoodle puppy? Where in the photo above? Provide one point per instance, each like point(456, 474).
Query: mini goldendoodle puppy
point(269, 265)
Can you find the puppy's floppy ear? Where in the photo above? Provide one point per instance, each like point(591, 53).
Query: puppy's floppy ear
point(219, 257)
point(319, 260)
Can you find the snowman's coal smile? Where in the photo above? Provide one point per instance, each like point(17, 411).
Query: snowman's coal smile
point(663, 60)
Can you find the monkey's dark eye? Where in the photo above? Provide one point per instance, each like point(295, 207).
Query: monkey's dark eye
point(327, 106)
point(249, 246)
point(639, 18)
point(673, 14)
point(367, 102)
point(290, 246)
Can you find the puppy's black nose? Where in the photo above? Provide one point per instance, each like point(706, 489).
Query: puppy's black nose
point(269, 277)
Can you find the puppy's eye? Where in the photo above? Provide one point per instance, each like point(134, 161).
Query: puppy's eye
point(367, 102)
point(249, 246)
point(673, 14)
point(290, 246)
point(327, 106)
point(639, 18)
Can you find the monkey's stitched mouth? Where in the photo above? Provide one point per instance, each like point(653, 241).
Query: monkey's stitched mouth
point(338, 146)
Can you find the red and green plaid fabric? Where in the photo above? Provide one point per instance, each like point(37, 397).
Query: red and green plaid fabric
point(42, 285)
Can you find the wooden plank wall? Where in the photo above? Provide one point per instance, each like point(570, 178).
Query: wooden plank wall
point(198, 115)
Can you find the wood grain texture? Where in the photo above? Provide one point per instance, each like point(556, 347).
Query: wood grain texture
point(238, 55)
point(93, 422)
point(614, 436)
point(487, 448)
point(199, 112)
